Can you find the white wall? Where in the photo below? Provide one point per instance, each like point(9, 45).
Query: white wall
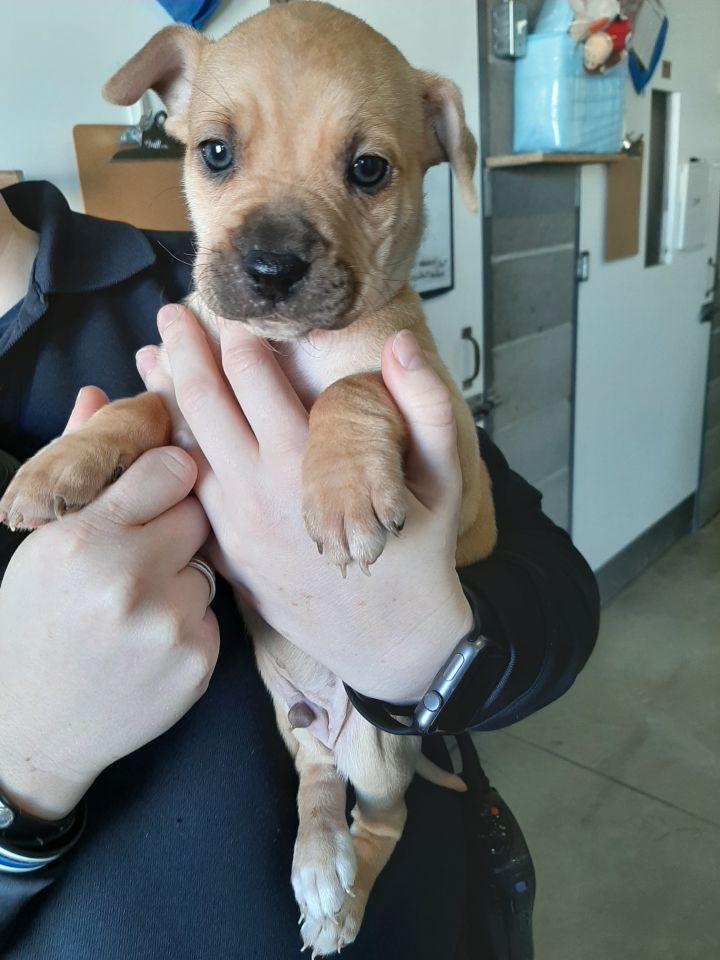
point(77, 44)
point(54, 57)
point(642, 354)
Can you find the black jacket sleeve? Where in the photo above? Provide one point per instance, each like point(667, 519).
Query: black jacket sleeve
point(9, 541)
point(538, 602)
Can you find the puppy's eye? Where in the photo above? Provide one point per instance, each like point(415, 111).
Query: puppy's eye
point(367, 171)
point(217, 155)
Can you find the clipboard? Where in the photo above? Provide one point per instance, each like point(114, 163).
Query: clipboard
point(145, 193)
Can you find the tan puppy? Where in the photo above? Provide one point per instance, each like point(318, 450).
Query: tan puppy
point(304, 180)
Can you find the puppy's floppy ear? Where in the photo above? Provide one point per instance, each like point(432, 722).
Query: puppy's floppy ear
point(446, 134)
point(166, 64)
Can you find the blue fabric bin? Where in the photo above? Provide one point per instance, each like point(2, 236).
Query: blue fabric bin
point(559, 108)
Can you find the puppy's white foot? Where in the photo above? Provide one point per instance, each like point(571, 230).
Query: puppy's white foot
point(326, 936)
point(323, 874)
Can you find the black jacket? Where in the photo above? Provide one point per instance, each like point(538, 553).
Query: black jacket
point(188, 845)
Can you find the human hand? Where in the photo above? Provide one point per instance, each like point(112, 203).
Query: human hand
point(105, 635)
point(386, 635)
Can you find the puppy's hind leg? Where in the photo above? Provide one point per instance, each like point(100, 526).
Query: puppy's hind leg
point(324, 865)
point(380, 767)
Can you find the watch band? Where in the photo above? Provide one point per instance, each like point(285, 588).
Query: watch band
point(425, 717)
point(29, 836)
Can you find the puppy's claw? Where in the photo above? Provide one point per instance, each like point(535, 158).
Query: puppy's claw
point(301, 921)
point(319, 545)
point(396, 527)
point(15, 521)
point(350, 892)
point(59, 507)
point(364, 567)
point(343, 570)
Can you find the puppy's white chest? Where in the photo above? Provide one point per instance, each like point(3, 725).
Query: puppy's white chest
point(312, 366)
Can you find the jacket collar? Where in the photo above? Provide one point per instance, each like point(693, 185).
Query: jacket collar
point(77, 253)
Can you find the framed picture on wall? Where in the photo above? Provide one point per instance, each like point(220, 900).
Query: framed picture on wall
point(432, 272)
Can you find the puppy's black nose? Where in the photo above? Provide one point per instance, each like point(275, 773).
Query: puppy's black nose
point(273, 274)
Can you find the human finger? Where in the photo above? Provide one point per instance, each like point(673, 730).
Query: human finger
point(157, 379)
point(87, 402)
point(272, 407)
point(425, 403)
point(206, 642)
point(204, 399)
point(196, 587)
point(176, 535)
point(157, 481)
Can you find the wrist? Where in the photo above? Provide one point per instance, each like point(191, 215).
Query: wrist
point(438, 710)
point(41, 798)
point(406, 668)
point(37, 792)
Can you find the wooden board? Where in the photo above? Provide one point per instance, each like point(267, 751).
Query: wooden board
point(525, 159)
point(145, 193)
point(622, 209)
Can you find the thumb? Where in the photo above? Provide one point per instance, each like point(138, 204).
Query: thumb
point(426, 405)
point(157, 481)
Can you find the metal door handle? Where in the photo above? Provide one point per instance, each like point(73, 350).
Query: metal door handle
point(467, 334)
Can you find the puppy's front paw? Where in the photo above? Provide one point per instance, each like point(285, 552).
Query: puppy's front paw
point(63, 477)
point(351, 501)
point(323, 874)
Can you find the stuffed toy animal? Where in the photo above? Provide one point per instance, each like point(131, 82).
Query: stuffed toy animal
point(591, 14)
point(605, 33)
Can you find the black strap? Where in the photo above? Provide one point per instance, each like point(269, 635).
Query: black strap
point(29, 835)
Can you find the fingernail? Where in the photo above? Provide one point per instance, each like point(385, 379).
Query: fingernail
point(81, 391)
point(407, 351)
point(146, 360)
point(167, 315)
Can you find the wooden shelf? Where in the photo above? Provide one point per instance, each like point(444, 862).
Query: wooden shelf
point(526, 159)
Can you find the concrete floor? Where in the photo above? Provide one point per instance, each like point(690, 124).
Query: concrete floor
point(617, 785)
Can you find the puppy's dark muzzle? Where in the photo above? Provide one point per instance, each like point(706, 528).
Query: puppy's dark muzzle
point(273, 275)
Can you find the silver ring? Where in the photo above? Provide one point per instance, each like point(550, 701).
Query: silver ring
point(206, 570)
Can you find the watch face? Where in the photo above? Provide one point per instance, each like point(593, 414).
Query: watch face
point(6, 816)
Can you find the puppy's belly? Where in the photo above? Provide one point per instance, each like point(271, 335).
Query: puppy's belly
point(294, 678)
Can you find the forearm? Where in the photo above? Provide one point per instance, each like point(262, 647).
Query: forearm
point(16, 890)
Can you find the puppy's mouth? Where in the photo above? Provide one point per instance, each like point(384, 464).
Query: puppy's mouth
point(276, 296)
point(278, 276)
